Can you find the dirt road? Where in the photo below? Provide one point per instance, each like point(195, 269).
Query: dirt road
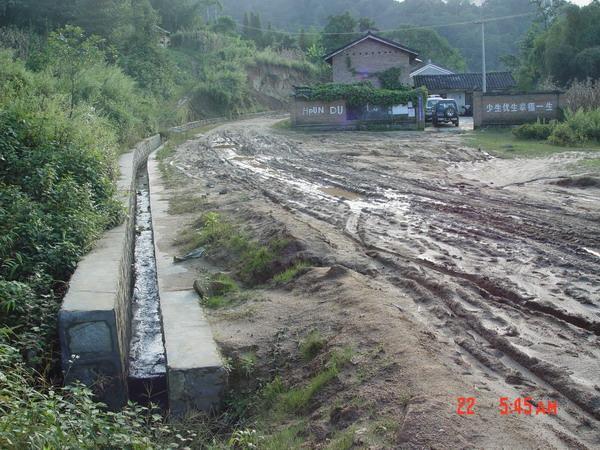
point(479, 276)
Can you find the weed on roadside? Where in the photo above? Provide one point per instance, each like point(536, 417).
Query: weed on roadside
point(312, 345)
point(295, 400)
point(228, 300)
point(291, 273)
point(255, 263)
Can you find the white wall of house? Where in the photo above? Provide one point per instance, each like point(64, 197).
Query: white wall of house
point(460, 98)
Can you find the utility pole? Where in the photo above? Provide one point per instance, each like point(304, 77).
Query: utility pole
point(483, 69)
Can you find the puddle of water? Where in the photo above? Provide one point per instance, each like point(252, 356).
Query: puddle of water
point(341, 193)
point(592, 252)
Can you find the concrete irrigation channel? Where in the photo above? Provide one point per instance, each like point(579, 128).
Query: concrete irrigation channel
point(147, 375)
point(123, 331)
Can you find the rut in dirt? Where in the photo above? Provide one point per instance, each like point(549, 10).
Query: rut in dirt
point(506, 275)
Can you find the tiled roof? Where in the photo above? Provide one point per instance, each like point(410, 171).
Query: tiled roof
point(496, 81)
point(374, 37)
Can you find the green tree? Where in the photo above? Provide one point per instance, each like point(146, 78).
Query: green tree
point(547, 11)
point(587, 63)
point(431, 45)
point(566, 51)
point(71, 53)
point(339, 31)
point(225, 25)
point(365, 24)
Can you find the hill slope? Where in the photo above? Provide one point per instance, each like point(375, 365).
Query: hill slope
point(502, 37)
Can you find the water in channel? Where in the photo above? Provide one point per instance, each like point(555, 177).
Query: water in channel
point(147, 362)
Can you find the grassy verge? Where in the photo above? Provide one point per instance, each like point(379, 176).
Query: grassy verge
point(285, 124)
point(592, 164)
point(253, 262)
point(502, 143)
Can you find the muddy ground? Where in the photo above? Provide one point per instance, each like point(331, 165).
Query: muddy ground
point(450, 273)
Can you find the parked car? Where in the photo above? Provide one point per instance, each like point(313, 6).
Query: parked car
point(445, 111)
point(431, 101)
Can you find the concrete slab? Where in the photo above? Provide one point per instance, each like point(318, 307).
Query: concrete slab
point(188, 337)
point(195, 371)
point(94, 318)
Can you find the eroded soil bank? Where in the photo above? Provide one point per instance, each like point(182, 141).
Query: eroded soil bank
point(449, 273)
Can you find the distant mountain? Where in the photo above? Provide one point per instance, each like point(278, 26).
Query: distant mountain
point(502, 37)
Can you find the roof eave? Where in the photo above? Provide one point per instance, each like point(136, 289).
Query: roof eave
point(329, 57)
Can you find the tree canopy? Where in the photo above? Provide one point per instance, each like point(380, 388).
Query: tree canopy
point(568, 50)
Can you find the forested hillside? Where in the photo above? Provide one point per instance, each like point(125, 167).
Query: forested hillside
point(80, 82)
point(502, 37)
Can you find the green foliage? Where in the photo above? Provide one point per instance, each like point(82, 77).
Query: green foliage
point(567, 50)
point(269, 57)
point(297, 399)
point(363, 93)
point(503, 143)
point(339, 30)
point(537, 131)
point(290, 273)
point(579, 128)
point(502, 37)
point(68, 418)
point(254, 262)
point(222, 284)
point(57, 172)
point(312, 345)
point(431, 45)
point(390, 79)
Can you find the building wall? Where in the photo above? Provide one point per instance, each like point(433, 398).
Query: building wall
point(460, 98)
point(367, 59)
point(505, 109)
point(337, 115)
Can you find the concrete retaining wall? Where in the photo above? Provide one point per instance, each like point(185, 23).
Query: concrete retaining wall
point(515, 109)
point(94, 320)
point(337, 115)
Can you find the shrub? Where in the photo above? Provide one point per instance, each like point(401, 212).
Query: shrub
point(68, 418)
point(536, 131)
point(579, 128)
point(390, 79)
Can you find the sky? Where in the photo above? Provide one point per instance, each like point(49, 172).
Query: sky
point(581, 2)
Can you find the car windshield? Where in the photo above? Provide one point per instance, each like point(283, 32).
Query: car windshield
point(431, 103)
point(443, 105)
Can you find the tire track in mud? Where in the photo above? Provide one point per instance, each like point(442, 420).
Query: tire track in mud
point(552, 375)
point(294, 179)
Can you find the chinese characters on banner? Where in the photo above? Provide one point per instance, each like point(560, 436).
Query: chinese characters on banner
point(519, 107)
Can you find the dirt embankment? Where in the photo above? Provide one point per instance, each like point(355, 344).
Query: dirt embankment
point(445, 282)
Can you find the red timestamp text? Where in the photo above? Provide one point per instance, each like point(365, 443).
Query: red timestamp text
point(527, 406)
point(466, 406)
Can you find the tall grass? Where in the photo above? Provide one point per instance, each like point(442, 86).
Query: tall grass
point(579, 128)
point(582, 95)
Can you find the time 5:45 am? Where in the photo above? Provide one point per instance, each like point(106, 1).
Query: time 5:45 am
point(527, 406)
